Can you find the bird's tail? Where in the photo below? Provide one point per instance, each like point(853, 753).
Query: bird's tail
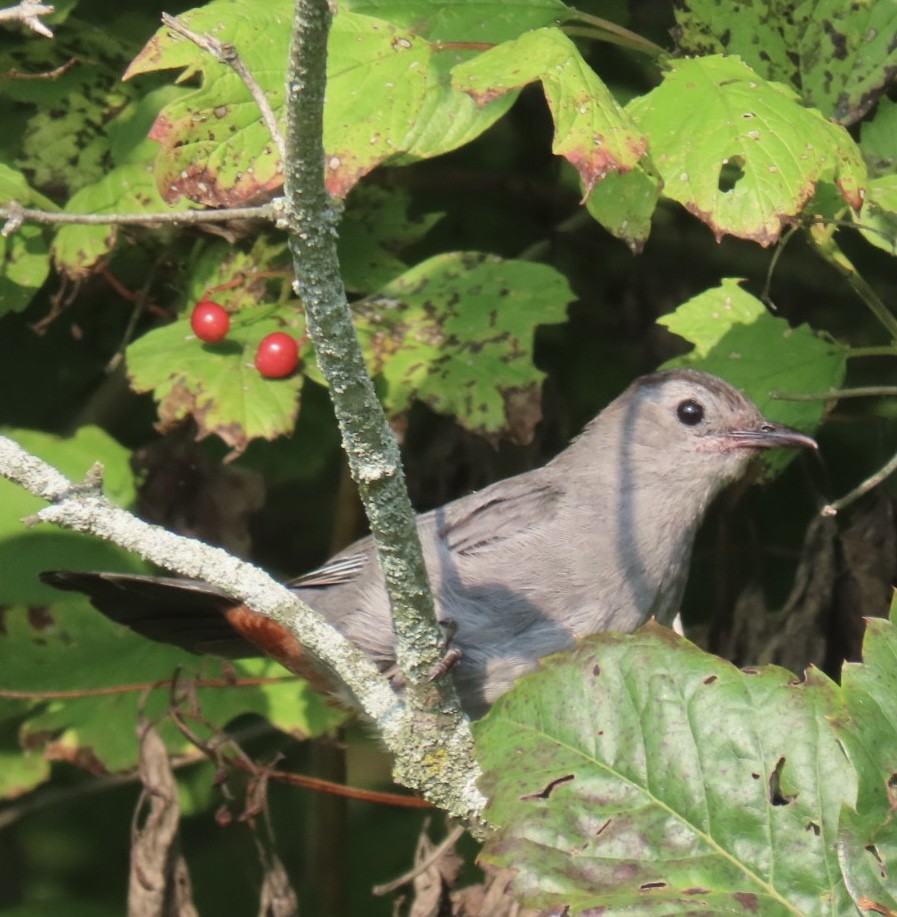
point(190, 614)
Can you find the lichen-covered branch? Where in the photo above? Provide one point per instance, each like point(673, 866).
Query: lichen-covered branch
point(436, 756)
point(83, 508)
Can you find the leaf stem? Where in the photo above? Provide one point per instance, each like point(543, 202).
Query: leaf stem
point(227, 54)
point(833, 508)
point(824, 242)
point(605, 30)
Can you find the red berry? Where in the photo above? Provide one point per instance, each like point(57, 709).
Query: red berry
point(210, 322)
point(277, 355)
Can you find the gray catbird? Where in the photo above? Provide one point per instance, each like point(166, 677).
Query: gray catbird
point(598, 539)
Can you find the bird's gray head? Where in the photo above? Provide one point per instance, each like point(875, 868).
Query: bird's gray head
point(683, 428)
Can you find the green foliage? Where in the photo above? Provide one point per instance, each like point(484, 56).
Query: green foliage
point(625, 776)
point(838, 54)
point(640, 775)
point(25, 255)
point(114, 672)
point(591, 130)
point(736, 337)
point(375, 229)
point(741, 154)
point(456, 332)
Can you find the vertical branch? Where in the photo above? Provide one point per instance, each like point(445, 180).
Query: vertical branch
point(374, 460)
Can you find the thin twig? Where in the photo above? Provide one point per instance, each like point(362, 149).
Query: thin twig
point(765, 295)
point(882, 351)
point(614, 33)
point(228, 55)
point(865, 391)
point(215, 749)
point(145, 686)
point(832, 509)
point(53, 74)
point(15, 215)
point(825, 245)
point(28, 12)
point(447, 843)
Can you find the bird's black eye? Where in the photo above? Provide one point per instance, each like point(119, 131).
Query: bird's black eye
point(690, 412)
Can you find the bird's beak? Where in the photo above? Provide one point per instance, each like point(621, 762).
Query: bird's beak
point(769, 435)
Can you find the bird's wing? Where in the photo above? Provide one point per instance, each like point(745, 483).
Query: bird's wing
point(497, 514)
point(340, 570)
point(467, 526)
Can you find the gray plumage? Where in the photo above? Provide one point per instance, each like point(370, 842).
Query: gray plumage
point(598, 539)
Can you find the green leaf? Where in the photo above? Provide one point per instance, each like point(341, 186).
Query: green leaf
point(741, 154)
point(377, 79)
point(623, 203)
point(491, 21)
point(456, 332)
point(877, 221)
point(217, 384)
point(590, 129)
point(65, 143)
point(215, 148)
point(638, 774)
point(88, 678)
point(878, 139)
point(376, 226)
point(736, 337)
point(841, 56)
point(867, 842)
point(24, 254)
point(390, 98)
point(447, 117)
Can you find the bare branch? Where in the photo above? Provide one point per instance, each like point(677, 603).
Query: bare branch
point(227, 54)
point(835, 394)
point(449, 778)
point(15, 215)
point(835, 507)
point(28, 12)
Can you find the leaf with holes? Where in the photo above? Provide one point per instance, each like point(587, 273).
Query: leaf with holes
point(456, 332)
point(741, 154)
point(638, 774)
